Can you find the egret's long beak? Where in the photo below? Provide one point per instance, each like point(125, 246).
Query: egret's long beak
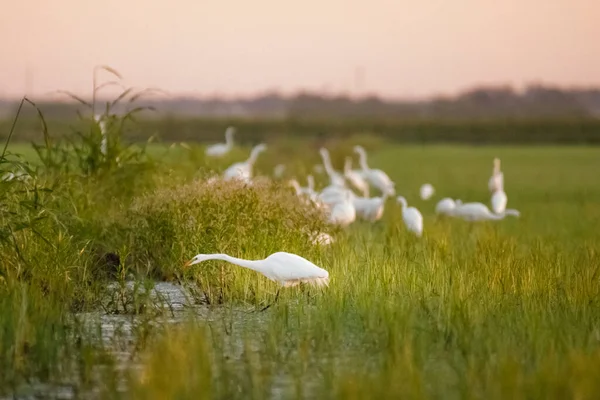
point(187, 264)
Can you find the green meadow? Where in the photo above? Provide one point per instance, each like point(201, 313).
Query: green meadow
point(488, 310)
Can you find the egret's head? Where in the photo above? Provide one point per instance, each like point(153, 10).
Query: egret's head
point(197, 259)
point(402, 201)
point(323, 152)
point(359, 149)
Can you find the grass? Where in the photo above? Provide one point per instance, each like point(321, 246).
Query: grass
point(508, 309)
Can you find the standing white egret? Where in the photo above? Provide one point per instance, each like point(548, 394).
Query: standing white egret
point(343, 212)
point(370, 209)
point(356, 178)
point(335, 178)
point(496, 181)
point(446, 206)
point(376, 177)
point(243, 170)
point(286, 269)
point(413, 220)
point(426, 191)
point(499, 200)
point(480, 212)
point(220, 149)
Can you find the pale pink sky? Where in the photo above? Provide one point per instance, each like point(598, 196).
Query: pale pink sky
point(407, 48)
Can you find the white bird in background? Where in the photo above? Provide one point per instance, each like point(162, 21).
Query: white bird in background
point(220, 149)
point(278, 170)
point(102, 125)
point(446, 206)
point(343, 212)
point(321, 239)
point(370, 209)
point(335, 178)
point(499, 201)
point(413, 220)
point(376, 177)
point(426, 191)
point(243, 170)
point(286, 269)
point(496, 181)
point(355, 177)
point(480, 212)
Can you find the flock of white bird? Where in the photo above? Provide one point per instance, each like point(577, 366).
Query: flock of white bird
point(343, 207)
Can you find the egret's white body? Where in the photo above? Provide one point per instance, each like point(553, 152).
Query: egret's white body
point(355, 177)
point(446, 206)
point(480, 212)
point(369, 209)
point(375, 177)
point(243, 170)
point(287, 269)
point(413, 220)
point(499, 201)
point(335, 178)
point(496, 181)
point(220, 149)
point(334, 194)
point(426, 191)
point(343, 212)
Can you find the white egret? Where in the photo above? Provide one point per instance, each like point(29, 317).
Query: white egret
point(370, 209)
point(243, 170)
point(446, 206)
point(376, 177)
point(426, 191)
point(480, 212)
point(356, 178)
point(496, 181)
point(335, 178)
point(334, 194)
point(499, 200)
point(321, 239)
point(413, 220)
point(343, 212)
point(286, 269)
point(220, 149)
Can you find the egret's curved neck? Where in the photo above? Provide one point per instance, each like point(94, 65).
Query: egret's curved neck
point(250, 264)
point(362, 157)
point(347, 165)
point(311, 182)
point(294, 183)
point(254, 155)
point(229, 139)
point(327, 162)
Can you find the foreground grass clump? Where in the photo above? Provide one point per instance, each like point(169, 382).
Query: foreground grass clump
point(172, 224)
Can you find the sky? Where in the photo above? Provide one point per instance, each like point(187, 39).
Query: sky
point(393, 48)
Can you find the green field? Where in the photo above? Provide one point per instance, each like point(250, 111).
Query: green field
point(492, 310)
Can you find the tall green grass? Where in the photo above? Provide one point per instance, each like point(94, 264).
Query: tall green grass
point(507, 309)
